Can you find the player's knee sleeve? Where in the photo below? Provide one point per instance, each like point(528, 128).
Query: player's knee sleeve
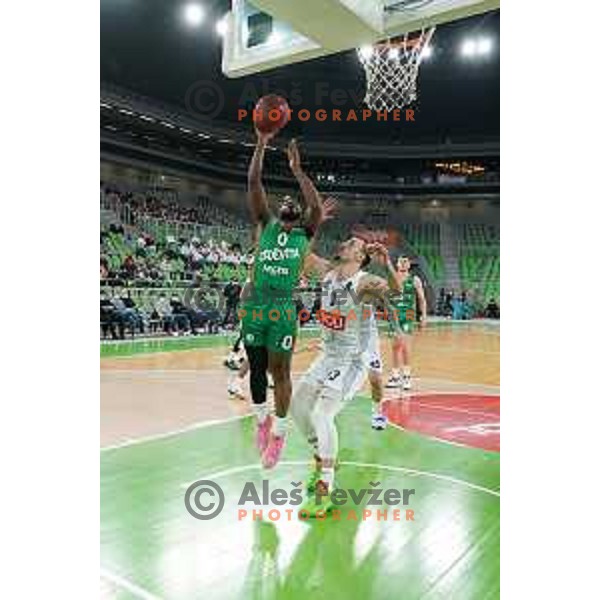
point(258, 360)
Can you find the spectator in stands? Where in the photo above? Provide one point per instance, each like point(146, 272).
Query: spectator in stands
point(110, 320)
point(492, 310)
point(133, 316)
point(103, 269)
point(441, 299)
point(232, 293)
point(128, 267)
point(469, 305)
point(458, 307)
point(163, 310)
point(448, 302)
point(181, 316)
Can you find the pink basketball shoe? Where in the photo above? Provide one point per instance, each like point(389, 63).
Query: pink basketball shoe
point(263, 431)
point(270, 457)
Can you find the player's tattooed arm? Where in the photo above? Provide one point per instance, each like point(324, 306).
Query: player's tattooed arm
point(257, 197)
point(377, 291)
point(421, 300)
point(374, 290)
point(311, 196)
point(373, 285)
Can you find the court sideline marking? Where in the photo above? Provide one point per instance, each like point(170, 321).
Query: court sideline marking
point(125, 584)
point(293, 463)
point(174, 432)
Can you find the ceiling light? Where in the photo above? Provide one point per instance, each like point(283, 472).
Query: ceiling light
point(193, 14)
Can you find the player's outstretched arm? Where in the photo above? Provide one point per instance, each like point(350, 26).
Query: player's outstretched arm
point(329, 210)
point(257, 197)
point(309, 191)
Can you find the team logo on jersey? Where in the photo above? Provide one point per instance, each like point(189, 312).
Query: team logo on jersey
point(249, 337)
point(276, 254)
point(332, 320)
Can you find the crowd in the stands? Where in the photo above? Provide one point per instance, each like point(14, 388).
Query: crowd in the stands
point(144, 252)
point(462, 306)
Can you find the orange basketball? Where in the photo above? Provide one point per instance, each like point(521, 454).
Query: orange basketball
point(271, 113)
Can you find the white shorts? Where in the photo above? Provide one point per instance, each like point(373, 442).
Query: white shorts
point(330, 373)
point(372, 355)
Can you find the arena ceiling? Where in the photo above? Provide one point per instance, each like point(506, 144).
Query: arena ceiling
point(147, 49)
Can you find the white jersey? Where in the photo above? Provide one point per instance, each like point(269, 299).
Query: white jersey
point(343, 325)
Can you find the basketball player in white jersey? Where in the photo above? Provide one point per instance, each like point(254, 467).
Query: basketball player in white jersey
point(373, 363)
point(339, 371)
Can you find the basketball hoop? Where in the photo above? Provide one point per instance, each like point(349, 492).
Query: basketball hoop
point(392, 68)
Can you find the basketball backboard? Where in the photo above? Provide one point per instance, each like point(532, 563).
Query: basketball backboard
point(263, 34)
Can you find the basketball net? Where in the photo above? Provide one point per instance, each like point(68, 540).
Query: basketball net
point(392, 68)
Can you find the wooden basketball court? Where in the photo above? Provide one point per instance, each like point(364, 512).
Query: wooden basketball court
point(166, 422)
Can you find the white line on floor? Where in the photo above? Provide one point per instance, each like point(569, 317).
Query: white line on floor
point(125, 584)
point(415, 402)
point(417, 472)
point(160, 436)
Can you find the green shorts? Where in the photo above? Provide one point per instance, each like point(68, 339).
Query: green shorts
point(269, 326)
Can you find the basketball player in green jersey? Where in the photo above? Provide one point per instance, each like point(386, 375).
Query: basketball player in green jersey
point(403, 323)
point(268, 312)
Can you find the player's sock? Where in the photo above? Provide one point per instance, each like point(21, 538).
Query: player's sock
point(280, 425)
point(406, 371)
point(327, 476)
point(376, 409)
point(314, 475)
point(261, 411)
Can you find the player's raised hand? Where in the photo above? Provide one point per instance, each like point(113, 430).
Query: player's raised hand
point(294, 156)
point(378, 251)
point(264, 137)
point(370, 236)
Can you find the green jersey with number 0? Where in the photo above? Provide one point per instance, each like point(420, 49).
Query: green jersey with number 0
point(279, 261)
